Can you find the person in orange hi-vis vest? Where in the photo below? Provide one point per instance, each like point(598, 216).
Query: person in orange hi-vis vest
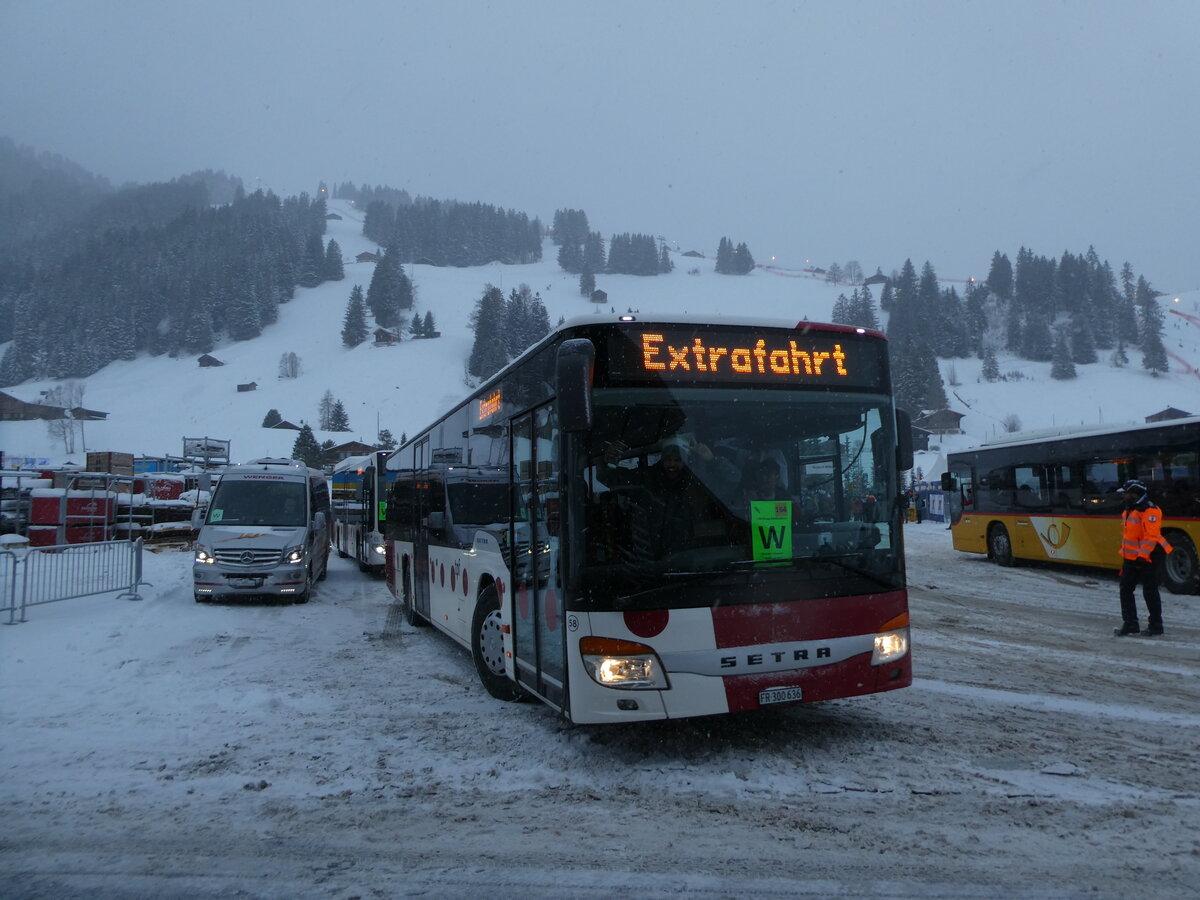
point(1143, 549)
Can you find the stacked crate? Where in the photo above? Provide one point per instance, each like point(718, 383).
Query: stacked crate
point(61, 516)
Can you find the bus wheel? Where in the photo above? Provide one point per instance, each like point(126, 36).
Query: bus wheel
point(487, 647)
point(407, 598)
point(1182, 568)
point(302, 597)
point(999, 545)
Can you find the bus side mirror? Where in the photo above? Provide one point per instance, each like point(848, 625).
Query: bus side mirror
point(904, 441)
point(573, 367)
point(949, 482)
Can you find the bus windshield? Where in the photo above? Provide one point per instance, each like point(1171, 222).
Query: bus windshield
point(244, 502)
point(701, 480)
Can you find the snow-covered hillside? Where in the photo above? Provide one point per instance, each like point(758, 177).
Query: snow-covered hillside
point(154, 402)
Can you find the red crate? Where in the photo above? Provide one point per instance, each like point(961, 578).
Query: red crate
point(42, 535)
point(45, 507)
point(158, 488)
point(93, 507)
point(86, 534)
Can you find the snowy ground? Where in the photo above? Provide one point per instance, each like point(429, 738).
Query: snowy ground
point(166, 749)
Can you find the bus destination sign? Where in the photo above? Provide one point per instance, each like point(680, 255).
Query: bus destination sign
point(722, 355)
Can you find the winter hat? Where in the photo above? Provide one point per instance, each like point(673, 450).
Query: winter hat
point(1133, 485)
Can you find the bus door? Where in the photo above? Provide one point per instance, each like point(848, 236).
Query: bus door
point(422, 503)
point(538, 633)
point(960, 492)
point(1032, 504)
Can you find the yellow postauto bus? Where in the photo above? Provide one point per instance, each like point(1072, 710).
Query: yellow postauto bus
point(1056, 497)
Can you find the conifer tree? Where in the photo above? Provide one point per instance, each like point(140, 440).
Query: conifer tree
point(840, 314)
point(587, 283)
point(306, 449)
point(1083, 346)
point(887, 298)
point(313, 263)
point(335, 269)
point(725, 257)
point(1062, 368)
point(414, 327)
point(1035, 337)
point(487, 352)
point(1150, 327)
point(991, 368)
point(354, 325)
point(385, 441)
point(1000, 276)
point(428, 326)
point(863, 310)
point(594, 259)
point(338, 420)
point(516, 321)
point(743, 261)
point(272, 418)
point(904, 322)
point(975, 316)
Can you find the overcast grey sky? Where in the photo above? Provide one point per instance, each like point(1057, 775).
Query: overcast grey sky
point(873, 131)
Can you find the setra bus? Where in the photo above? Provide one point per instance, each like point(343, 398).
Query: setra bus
point(358, 488)
point(1055, 496)
point(536, 524)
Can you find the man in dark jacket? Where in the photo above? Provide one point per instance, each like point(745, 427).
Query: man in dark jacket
point(1143, 549)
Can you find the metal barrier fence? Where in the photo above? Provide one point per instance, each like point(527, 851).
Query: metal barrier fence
point(36, 575)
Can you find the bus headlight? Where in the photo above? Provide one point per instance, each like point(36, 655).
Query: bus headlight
point(294, 555)
point(380, 549)
point(204, 555)
point(889, 646)
point(622, 664)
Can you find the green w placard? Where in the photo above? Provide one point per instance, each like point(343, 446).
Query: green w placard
point(771, 528)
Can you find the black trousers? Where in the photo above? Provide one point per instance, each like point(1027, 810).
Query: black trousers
point(1148, 574)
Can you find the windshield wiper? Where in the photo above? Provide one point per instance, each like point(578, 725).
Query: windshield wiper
point(838, 559)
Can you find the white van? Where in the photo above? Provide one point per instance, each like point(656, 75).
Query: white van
point(266, 531)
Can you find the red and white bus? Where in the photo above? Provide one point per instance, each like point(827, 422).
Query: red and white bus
point(533, 522)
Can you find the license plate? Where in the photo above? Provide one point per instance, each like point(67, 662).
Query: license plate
point(245, 582)
point(780, 695)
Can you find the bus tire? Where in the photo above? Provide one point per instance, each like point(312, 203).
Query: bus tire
point(408, 599)
point(487, 647)
point(302, 597)
point(1000, 545)
point(1181, 569)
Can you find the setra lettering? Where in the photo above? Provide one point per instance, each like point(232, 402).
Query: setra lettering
point(796, 654)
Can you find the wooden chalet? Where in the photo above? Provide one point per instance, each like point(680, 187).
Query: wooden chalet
point(385, 337)
point(206, 361)
point(15, 410)
point(348, 449)
point(941, 421)
point(1167, 414)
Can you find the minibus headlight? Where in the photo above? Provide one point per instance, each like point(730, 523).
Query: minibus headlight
point(379, 548)
point(294, 554)
point(204, 555)
point(889, 646)
point(622, 664)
